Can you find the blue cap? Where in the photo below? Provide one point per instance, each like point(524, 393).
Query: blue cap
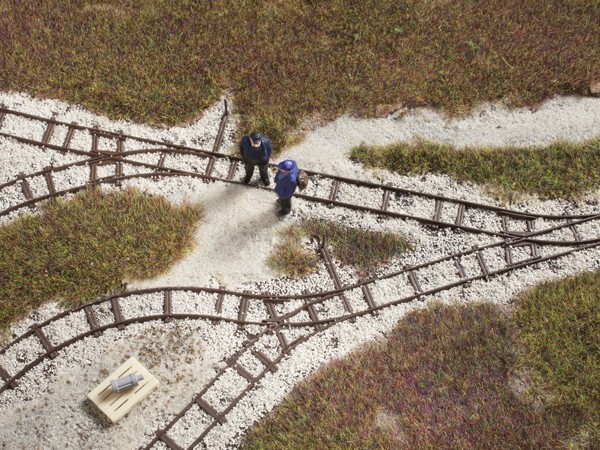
point(287, 165)
point(256, 136)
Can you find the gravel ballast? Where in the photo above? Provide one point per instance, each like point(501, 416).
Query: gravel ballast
point(49, 409)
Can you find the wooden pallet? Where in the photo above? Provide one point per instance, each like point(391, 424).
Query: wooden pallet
point(116, 405)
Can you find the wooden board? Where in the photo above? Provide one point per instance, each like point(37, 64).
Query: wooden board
point(116, 405)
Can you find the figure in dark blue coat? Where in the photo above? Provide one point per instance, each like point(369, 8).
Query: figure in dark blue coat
point(286, 182)
point(256, 151)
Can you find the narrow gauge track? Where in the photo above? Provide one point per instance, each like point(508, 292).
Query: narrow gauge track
point(286, 321)
point(340, 303)
point(28, 190)
point(108, 161)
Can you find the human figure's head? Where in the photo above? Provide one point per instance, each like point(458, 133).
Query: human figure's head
point(255, 139)
point(286, 166)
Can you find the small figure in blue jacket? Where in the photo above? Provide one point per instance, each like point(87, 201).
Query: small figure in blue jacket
point(256, 151)
point(286, 182)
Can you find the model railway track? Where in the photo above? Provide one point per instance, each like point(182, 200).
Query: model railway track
point(83, 140)
point(312, 310)
point(29, 189)
point(114, 156)
point(286, 322)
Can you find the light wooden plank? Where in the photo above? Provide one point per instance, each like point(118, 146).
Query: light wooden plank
point(116, 404)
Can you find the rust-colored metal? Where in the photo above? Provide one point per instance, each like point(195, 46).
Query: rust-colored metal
point(460, 215)
point(282, 340)
point(116, 309)
point(120, 142)
point(438, 210)
point(94, 133)
point(161, 161)
point(6, 377)
point(49, 131)
point(219, 303)
point(385, 201)
point(220, 133)
point(334, 191)
point(93, 172)
point(167, 306)
point(482, 264)
point(368, 296)
point(271, 309)
point(264, 359)
point(232, 170)
point(92, 320)
point(414, 282)
point(49, 180)
point(48, 347)
point(244, 307)
point(270, 364)
point(334, 276)
point(208, 409)
point(243, 372)
point(508, 255)
point(312, 313)
point(210, 166)
point(277, 322)
point(165, 439)
point(504, 223)
point(461, 270)
point(25, 188)
point(69, 136)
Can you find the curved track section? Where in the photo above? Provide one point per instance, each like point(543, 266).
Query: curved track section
point(114, 156)
point(284, 322)
point(288, 321)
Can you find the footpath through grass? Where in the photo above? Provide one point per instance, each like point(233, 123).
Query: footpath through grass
point(364, 250)
point(79, 249)
point(560, 170)
point(453, 377)
point(284, 61)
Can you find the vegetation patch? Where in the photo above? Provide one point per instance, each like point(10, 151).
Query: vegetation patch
point(439, 381)
point(79, 249)
point(365, 250)
point(555, 171)
point(559, 325)
point(447, 378)
point(285, 61)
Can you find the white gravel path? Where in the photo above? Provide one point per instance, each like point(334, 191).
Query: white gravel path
point(240, 229)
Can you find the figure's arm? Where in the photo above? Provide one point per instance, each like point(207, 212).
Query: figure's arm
point(268, 148)
point(242, 149)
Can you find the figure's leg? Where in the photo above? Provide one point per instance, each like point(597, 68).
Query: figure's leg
point(264, 174)
point(249, 171)
point(286, 207)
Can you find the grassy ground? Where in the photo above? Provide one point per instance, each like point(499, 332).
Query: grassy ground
point(76, 250)
point(364, 250)
point(286, 61)
point(445, 378)
point(555, 171)
point(560, 331)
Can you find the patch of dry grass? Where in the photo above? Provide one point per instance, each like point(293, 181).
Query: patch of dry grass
point(440, 381)
point(554, 171)
point(363, 250)
point(285, 61)
point(79, 249)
